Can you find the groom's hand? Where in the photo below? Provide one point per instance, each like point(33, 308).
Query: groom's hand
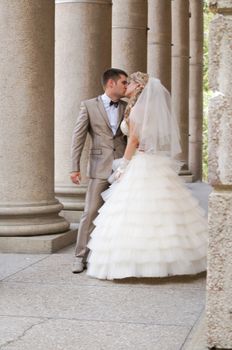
point(75, 176)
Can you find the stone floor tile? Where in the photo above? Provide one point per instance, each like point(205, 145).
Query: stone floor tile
point(12, 263)
point(12, 328)
point(201, 192)
point(57, 269)
point(197, 337)
point(137, 305)
point(44, 306)
point(54, 334)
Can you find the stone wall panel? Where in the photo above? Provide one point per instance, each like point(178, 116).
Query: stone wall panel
point(219, 292)
point(219, 278)
point(220, 48)
point(220, 5)
point(220, 142)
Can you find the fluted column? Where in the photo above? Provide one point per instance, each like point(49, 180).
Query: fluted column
point(159, 40)
point(180, 73)
point(129, 35)
point(82, 53)
point(196, 88)
point(27, 202)
point(219, 276)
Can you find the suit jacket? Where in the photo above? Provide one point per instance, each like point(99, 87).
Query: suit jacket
point(106, 146)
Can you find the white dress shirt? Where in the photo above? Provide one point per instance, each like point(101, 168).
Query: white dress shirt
point(112, 112)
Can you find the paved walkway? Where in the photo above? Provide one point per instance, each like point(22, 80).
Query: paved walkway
point(43, 306)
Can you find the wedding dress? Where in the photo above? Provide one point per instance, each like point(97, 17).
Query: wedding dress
point(150, 225)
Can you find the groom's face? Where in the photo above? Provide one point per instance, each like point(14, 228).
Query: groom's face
point(119, 87)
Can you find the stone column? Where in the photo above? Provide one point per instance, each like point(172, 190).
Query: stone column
point(180, 73)
point(82, 53)
point(129, 35)
point(27, 203)
point(196, 89)
point(219, 280)
point(159, 41)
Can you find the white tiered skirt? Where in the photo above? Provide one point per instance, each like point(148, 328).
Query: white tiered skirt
point(149, 226)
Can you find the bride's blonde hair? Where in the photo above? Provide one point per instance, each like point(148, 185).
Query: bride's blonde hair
point(142, 79)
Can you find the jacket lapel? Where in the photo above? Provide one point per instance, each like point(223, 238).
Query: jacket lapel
point(120, 113)
point(103, 111)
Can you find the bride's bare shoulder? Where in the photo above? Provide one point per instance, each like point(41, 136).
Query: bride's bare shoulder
point(124, 127)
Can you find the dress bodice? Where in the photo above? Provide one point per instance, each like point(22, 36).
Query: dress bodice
point(124, 127)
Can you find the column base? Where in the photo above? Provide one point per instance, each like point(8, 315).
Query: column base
point(187, 178)
point(186, 175)
point(73, 200)
point(44, 244)
point(32, 219)
point(72, 216)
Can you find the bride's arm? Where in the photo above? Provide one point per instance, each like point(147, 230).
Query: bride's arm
point(132, 143)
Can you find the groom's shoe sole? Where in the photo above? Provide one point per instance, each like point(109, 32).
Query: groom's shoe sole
point(79, 270)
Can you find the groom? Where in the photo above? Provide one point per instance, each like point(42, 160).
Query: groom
point(101, 118)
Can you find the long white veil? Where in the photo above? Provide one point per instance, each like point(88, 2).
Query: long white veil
point(153, 122)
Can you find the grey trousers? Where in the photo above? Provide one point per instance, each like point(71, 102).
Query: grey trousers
point(93, 202)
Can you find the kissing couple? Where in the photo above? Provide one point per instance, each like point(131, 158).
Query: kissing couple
point(146, 223)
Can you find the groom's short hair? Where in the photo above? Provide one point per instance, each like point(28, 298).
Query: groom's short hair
point(112, 73)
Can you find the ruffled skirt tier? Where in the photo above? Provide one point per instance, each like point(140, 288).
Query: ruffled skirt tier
point(149, 226)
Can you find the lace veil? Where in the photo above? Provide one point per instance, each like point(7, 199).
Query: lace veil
point(152, 120)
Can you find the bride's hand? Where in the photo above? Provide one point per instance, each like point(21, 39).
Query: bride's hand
point(118, 174)
point(121, 169)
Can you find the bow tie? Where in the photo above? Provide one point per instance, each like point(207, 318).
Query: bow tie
point(115, 104)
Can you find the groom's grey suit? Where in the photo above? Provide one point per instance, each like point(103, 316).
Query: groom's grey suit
point(105, 147)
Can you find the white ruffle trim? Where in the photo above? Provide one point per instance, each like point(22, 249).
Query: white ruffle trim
point(150, 225)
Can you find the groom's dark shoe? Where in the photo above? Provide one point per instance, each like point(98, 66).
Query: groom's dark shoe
point(78, 265)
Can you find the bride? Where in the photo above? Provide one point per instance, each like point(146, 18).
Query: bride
point(150, 225)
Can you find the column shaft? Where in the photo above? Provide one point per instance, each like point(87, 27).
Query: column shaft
point(196, 88)
point(27, 202)
point(159, 40)
point(180, 72)
point(82, 52)
point(129, 35)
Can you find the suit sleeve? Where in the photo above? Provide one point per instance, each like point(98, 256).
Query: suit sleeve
point(79, 136)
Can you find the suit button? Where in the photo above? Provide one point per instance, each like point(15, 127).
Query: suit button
point(114, 149)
